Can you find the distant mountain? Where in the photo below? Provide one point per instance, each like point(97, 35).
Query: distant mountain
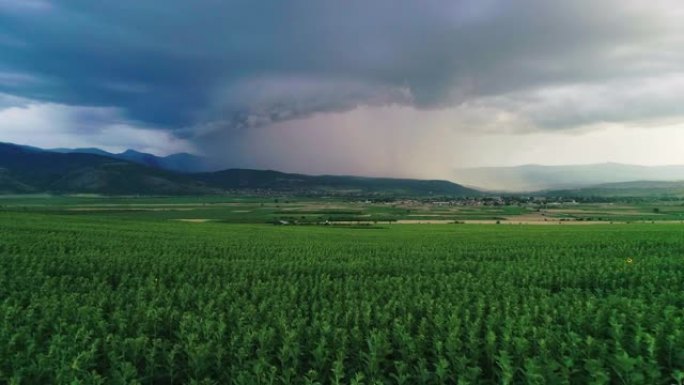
point(31, 170)
point(535, 177)
point(279, 181)
point(181, 162)
point(141, 158)
point(637, 189)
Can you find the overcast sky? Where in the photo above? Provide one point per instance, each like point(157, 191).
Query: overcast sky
point(372, 87)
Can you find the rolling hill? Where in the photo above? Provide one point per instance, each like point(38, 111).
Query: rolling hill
point(234, 179)
point(32, 170)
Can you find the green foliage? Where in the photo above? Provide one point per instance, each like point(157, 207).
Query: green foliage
point(95, 299)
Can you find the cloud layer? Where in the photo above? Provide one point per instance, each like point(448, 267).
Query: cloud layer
point(221, 75)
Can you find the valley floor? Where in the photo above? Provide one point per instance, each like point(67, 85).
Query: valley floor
point(246, 291)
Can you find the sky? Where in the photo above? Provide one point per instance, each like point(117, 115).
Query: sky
point(367, 87)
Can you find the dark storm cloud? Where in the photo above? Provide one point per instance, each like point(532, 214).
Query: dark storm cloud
point(206, 65)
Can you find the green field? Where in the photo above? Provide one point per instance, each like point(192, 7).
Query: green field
point(338, 210)
point(96, 291)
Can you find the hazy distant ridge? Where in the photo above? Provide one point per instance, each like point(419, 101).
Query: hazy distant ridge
point(637, 189)
point(536, 177)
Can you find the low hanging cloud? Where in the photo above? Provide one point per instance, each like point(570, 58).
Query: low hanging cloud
point(643, 101)
point(51, 125)
point(218, 76)
point(266, 100)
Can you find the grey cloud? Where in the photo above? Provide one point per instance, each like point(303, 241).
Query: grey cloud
point(204, 66)
point(633, 101)
point(265, 100)
point(15, 79)
point(8, 101)
point(21, 6)
point(50, 125)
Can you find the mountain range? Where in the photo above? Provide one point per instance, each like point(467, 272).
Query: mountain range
point(26, 169)
point(181, 162)
point(636, 189)
point(538, 178)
